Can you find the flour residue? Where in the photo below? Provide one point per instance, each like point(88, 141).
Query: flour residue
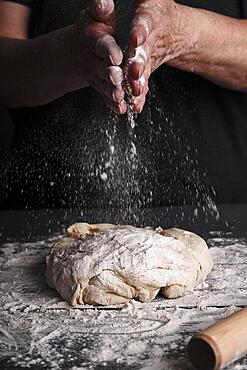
point(38, 329)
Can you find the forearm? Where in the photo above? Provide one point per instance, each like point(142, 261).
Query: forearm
point(37, 71)
point(214, 47)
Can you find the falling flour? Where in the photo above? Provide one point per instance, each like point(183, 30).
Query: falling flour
point(110, 162)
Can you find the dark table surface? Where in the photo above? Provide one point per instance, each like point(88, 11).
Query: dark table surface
point(39, 331)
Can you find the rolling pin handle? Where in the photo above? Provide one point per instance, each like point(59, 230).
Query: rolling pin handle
point(201, 354)
point(220, 344)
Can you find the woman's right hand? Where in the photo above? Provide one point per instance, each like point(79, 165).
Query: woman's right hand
point(99, 55)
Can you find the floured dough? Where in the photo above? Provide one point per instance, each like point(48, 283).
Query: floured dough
point(108, 264)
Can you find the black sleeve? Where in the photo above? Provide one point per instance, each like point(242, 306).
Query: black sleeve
point(23, 2)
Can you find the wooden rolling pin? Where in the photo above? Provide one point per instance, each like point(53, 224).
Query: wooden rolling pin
point(220, 344)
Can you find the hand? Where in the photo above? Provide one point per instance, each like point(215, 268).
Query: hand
point(100, 56)
point(156, 37)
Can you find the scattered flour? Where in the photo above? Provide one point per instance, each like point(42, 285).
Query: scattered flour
point(38, 330)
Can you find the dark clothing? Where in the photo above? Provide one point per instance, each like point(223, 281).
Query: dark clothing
point(190, 137)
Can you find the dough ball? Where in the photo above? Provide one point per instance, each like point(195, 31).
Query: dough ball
point(105, 264)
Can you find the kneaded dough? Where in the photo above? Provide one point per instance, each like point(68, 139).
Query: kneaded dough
point(107, 264)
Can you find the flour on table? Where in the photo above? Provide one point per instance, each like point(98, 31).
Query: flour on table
point(111, 264)
point(39, 330)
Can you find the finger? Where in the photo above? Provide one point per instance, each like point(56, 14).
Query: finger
point(138, 102)
point(138, 86)
point(107, 48)
point(98, 38)
point(142, 25)
point(113, 93)
point(103, 11)
point(120, 108)
point(137, 62)
point(112, 74)
point(135, 70)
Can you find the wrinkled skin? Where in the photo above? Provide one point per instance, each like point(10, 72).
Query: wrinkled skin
point(158, 33)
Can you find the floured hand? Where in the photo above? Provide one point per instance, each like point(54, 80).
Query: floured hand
point(101, 55)
point(157, 36)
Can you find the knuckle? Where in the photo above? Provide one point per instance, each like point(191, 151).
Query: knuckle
point(115, 75)
point(117, 95)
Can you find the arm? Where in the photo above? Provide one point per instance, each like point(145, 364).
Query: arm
point(195, 40)
point(218, 50)
point(39, 70)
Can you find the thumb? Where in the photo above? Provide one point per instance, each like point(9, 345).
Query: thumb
point(103, 11)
